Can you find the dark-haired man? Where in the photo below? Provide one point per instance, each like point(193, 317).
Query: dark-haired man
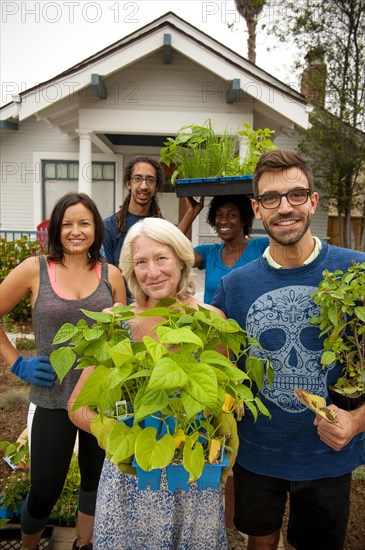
point(291, 453)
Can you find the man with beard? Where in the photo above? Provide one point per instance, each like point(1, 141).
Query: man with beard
point(271, 298)
point(143, 177)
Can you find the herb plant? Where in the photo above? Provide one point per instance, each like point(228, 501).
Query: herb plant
point(197, 152)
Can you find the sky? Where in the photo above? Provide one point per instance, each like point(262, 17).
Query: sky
point(40, 39)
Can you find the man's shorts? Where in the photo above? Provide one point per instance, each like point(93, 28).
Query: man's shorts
point(319, 509)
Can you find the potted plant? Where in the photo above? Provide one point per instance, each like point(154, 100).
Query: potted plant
point(15, 486)
point(176, 379)
point(341, 297)
point(207, 163)
point(64, 511)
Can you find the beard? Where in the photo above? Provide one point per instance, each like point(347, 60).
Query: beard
point(289, 237)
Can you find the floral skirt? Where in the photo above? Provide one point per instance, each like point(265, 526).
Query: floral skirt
point(131, 519)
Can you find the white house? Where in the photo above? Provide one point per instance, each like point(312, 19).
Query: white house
point(78, 129)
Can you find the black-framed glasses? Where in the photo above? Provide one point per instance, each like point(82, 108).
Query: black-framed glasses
point(296, 197)
point(150, 180)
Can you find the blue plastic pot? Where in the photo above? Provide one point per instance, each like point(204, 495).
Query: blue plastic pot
point(211, 476)
point(153, 421)
point(177, 477)
point(7, 513)
point(148, 480)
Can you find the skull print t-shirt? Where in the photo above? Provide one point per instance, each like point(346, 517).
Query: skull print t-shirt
point(275, 306)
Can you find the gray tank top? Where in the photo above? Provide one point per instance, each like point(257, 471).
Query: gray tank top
point(50, 312)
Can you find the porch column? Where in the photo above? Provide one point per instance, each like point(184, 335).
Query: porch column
point(85, 162)
point(242, 147)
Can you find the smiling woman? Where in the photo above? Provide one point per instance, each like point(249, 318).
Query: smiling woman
point(69, 278)
point(231, 216)
point(157, 262)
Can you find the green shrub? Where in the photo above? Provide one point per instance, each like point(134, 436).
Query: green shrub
point(13, 253)
point(25, 344)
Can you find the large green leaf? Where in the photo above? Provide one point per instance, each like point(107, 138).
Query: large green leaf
point(191, 406)
point(62, 360)
point(167, 375)
point(255, 370)
point(151, 402)
point(98, 316)
point(99, 349)
point(121, 352)
point(202, 385)
point(121, 444)
point(193, 459)
point(178, 336)
point(150, 453)
point(155, 349)
point(90, 390)
point(117, 375)
point(64, 333)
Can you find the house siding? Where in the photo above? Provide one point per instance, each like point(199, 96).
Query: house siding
point(19, 172)
point(183, 85)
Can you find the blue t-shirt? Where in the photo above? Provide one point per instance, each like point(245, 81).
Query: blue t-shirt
point(112, 246)
point(275, 306)
point(211, 255)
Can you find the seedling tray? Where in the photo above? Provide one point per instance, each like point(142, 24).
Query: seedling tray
point(11, 538)
point(202, 187)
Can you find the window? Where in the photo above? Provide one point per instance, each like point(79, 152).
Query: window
point(61, 177)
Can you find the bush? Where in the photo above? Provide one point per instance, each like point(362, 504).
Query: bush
point(12, 253)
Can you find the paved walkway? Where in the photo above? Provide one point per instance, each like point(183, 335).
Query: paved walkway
point(64, 537)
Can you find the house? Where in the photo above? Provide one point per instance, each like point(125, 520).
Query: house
point(77, 130)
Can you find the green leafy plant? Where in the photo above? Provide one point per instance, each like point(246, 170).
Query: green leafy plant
point(177, 377)
point(341, 297)
point(15, 487)
point(197, 152)
point(66, 506)
point(13, 253)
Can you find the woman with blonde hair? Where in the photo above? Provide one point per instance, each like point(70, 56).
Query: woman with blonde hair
point(156, 261)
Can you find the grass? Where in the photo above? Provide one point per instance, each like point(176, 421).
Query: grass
point(14, 398)
point(359, 473)
point(25, 344)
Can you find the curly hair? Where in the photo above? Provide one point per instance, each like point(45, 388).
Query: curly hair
point(155, 212)
point(166, 233)
point(243, 204)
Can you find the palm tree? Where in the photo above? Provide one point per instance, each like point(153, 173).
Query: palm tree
point(250, 11)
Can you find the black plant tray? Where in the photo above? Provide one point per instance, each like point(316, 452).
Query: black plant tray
point(202, 187)
point(11, 538)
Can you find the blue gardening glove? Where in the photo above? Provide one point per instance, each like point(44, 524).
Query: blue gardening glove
point(36, 370)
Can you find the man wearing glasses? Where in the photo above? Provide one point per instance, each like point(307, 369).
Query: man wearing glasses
point(143, 177)
point(290, 454)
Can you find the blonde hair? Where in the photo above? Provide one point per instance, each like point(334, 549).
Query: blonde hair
point(166, 233)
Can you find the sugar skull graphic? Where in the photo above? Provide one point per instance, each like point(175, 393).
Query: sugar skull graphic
point(279, 320)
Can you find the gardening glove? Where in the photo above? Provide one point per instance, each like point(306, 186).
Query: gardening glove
point(101, 428)
point(36, 370)
point(227, 426)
